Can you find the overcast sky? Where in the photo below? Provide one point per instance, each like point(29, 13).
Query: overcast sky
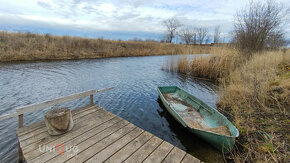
point(124, 19)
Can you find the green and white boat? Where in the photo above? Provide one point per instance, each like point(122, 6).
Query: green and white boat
point(199, 118)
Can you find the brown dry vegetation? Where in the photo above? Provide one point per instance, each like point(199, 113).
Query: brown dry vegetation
point(200, 67)
point(216, 66)
point(181, 66)
point(28, 46)
point(254, 95)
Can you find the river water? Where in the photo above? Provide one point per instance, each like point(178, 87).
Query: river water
point(134, 98)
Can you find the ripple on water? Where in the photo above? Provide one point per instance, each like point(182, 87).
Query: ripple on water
point(134, 98)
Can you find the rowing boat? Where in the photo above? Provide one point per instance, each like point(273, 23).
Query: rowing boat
point(199, 118)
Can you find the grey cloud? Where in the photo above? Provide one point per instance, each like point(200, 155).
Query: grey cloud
point(44, 5)
point(19, 24)
point(128, 15)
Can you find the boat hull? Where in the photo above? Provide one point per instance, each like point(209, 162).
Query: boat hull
point(221, 142)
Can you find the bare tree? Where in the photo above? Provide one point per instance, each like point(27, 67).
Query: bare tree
point(201, 33)
point(259, 26)
point(194, 38)
point(187, 35)
point(217, 33)
point(172, 25)
point(207, 40)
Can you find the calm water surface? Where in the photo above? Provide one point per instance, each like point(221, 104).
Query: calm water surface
point(134, 98)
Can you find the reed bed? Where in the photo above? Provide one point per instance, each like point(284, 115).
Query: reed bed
point(254, 95)
point(29, 46)
point(183, 64)
point(219, 64)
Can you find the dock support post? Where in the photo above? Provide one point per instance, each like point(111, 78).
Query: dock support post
point(91, 99)
point(20, 124)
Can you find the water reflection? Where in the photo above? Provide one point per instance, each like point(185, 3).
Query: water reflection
point(134, 98)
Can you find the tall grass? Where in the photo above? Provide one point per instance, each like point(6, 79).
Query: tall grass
point(28, 46)
point(219, 64)
point(255, 97)
point(182, 64)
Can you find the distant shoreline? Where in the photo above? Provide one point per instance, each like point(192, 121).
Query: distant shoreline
point(76, 59)
point(36, 47)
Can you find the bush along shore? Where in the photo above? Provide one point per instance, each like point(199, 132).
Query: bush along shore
point(29, 47)
point(254, 95)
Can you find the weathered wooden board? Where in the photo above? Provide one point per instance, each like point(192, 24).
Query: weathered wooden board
point(49, 103)
point(74, 137)
point(190, 159)
point(159, 153)
point(176, 155)
point(43, 135)
point(76, 116)
point(99, 136)
point(145, 150)
point(110, 150)
point(130, 148)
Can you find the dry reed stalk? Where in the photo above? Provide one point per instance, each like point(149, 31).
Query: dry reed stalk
point(28, 46)
point(255, 98)
point(183, 65)
point(257, 95)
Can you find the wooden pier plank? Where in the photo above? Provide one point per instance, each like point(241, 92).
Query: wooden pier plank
point(76, 115)
point(41, 128)
point(144, 151)
point(129, 149)
point(73, 138)
point(190, 159)
point(159, 153)
point(75, 142)
point(44, 135)
point(100, 136)
point(99, 146)
point(32, 127)
point(110, 150)
point(84, 145)
point(176, 155)
point(88, 123)
point(73, 133)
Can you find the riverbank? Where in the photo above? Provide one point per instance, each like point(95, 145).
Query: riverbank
point(30, 47)
point(255, 97)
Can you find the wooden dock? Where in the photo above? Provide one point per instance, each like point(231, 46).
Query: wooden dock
point(97, 136)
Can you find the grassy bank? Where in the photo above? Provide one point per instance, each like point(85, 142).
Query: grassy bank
point(255, 97)
point(28, 46)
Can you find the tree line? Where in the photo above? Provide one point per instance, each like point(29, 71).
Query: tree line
point(260, 26)
point(188, 34)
